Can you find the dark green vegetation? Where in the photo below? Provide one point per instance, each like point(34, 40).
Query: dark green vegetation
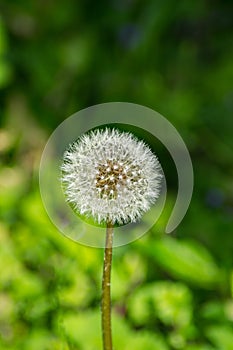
point(57, 57)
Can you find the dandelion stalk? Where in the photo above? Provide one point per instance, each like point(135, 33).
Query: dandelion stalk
point(106, 290)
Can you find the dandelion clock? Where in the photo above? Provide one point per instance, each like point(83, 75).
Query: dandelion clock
point(111, 176)
point(103, 186)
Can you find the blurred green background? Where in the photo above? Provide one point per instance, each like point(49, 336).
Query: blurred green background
point(57, 57)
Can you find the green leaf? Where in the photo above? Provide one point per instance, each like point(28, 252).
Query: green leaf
point(146, 341)
point(170, 302)
point(84, 331)
point(187, 260)
point(199, 347)
point(221, 336)
point(41, 339)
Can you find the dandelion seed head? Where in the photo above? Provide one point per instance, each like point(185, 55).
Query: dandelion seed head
point(111, 176)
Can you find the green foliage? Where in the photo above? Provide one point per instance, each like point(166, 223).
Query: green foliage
point(175, 57)
point(166, 302)
point(221, 336)
point(5, 67)
point(186, 260)
point(83, 326)
point(169, 302)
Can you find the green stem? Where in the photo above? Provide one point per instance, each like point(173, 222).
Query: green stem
point(106, 290)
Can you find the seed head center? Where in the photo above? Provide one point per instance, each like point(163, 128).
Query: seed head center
point(109, 178)
point(113, 176)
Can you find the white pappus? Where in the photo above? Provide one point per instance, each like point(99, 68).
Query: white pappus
point(111, 176)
